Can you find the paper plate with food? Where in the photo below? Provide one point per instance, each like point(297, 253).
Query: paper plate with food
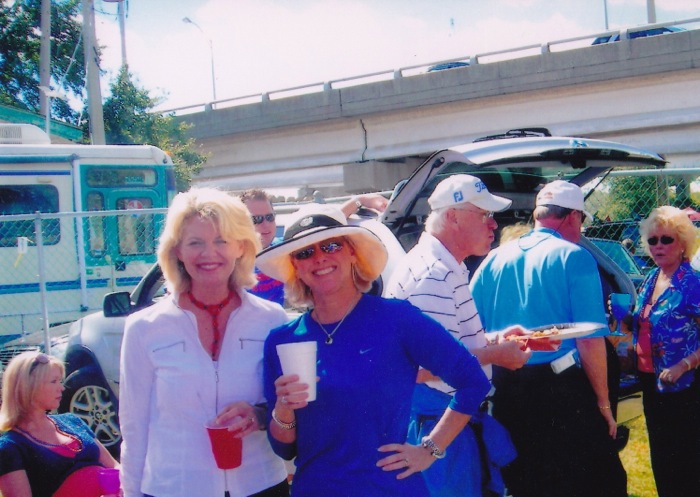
point(548, 337)
point(565, 331)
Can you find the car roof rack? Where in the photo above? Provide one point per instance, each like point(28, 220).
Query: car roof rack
point(517, 133)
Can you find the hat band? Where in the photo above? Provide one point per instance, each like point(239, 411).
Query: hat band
point(309, 223)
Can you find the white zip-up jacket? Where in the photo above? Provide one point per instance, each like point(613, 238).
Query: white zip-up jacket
point(169, 387)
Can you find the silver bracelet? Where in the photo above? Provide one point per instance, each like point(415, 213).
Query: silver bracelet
point(282, 424)
point(434, 450)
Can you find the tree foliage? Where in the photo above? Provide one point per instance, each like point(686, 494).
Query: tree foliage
point(634, 197)
point(129, 119)
point(20, 43)
point(128, 112)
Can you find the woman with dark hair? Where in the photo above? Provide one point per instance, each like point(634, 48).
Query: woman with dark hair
point(351, 440)
point(43, 455)
point(666, 325)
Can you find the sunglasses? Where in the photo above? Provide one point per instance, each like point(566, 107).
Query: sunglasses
point(327, 248)
point(39, 359)
point(665, 240)
point(258, 219)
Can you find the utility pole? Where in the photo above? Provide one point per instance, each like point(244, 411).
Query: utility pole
point(605, 12)
point(94, 92)
point(187, 20)
point(651, 12)
point(122, 32)
point(45, 59)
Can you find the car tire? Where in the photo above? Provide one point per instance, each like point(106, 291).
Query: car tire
point(90, 400)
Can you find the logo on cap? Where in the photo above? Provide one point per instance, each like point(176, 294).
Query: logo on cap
point(306, 221)
point(458, 197)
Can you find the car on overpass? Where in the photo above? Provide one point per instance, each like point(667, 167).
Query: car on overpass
point(514, 165)
point(601, 40)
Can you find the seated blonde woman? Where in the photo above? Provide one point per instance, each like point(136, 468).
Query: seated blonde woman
point(41, 454)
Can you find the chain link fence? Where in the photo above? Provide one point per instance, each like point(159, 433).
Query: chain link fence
point(620, 200)
point(57, 267)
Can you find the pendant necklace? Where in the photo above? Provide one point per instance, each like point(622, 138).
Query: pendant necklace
point(213, 310)
point(329, 336)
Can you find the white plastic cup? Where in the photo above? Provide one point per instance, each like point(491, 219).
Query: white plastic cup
point(300, 358)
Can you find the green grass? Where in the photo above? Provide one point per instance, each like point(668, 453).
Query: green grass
point(635, 459)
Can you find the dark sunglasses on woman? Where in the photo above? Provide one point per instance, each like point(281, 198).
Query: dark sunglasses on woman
point(665, 240)
point(328, 248)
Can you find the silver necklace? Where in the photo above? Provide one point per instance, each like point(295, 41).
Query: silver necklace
point(329, 336)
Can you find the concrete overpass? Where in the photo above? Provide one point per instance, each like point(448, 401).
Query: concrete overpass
point(366, 133)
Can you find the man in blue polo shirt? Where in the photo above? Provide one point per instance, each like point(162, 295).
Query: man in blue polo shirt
point(557, 412)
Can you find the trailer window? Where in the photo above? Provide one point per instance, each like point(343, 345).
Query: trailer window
point(120, 177)
point(27, 199)
point(96, 225)
point(136, 233)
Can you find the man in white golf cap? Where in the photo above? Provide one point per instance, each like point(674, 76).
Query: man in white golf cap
point(557, 411)
point(434, 278)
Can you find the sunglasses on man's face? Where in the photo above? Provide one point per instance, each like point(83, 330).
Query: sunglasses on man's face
point(258, 219)
point(665, 240)
point(328, 248)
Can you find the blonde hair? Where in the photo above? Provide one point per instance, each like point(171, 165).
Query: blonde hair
point(233, 222)
point(514, 231)
point(675, 220)
point(23, 376)
point(298, 294)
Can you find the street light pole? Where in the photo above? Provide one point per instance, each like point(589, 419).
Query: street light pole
point(187, 20)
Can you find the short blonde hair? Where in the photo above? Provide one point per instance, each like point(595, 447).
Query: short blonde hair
point(674, 220)
point(23, 376)
point(231, 218)
point(298, 294)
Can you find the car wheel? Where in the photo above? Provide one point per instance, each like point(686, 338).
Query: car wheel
point(93, 403)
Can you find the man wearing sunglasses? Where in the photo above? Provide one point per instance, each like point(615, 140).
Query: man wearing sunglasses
point(263, 217)
point(434, 278)
point(557, 412)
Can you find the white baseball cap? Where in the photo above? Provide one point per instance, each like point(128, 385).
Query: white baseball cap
point(563, 194)
point(463, 188)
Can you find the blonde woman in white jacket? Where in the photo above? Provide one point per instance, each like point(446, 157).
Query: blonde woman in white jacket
point(197, 355)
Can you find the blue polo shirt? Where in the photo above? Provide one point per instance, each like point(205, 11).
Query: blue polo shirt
point(537, 280)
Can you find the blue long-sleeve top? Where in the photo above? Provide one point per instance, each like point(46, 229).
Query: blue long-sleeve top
point(367, 376)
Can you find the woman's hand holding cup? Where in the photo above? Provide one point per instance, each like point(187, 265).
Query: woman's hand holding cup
point(240, 417)
point(291, 394)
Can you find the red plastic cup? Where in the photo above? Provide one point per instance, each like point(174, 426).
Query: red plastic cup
point(109, 480)
point(227, 448)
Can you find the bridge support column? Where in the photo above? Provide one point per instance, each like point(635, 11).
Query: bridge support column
point(374, 175)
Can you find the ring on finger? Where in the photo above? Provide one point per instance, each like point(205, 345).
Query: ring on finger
point(406, 461)
point(284, 399)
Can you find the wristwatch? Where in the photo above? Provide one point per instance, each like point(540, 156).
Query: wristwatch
point(434, 450)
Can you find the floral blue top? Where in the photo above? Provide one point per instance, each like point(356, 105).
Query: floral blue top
point(675, 331)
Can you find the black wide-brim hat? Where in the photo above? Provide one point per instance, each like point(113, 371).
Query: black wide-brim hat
point(314, 223)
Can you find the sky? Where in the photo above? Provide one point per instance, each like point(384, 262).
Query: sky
point(265, 45)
